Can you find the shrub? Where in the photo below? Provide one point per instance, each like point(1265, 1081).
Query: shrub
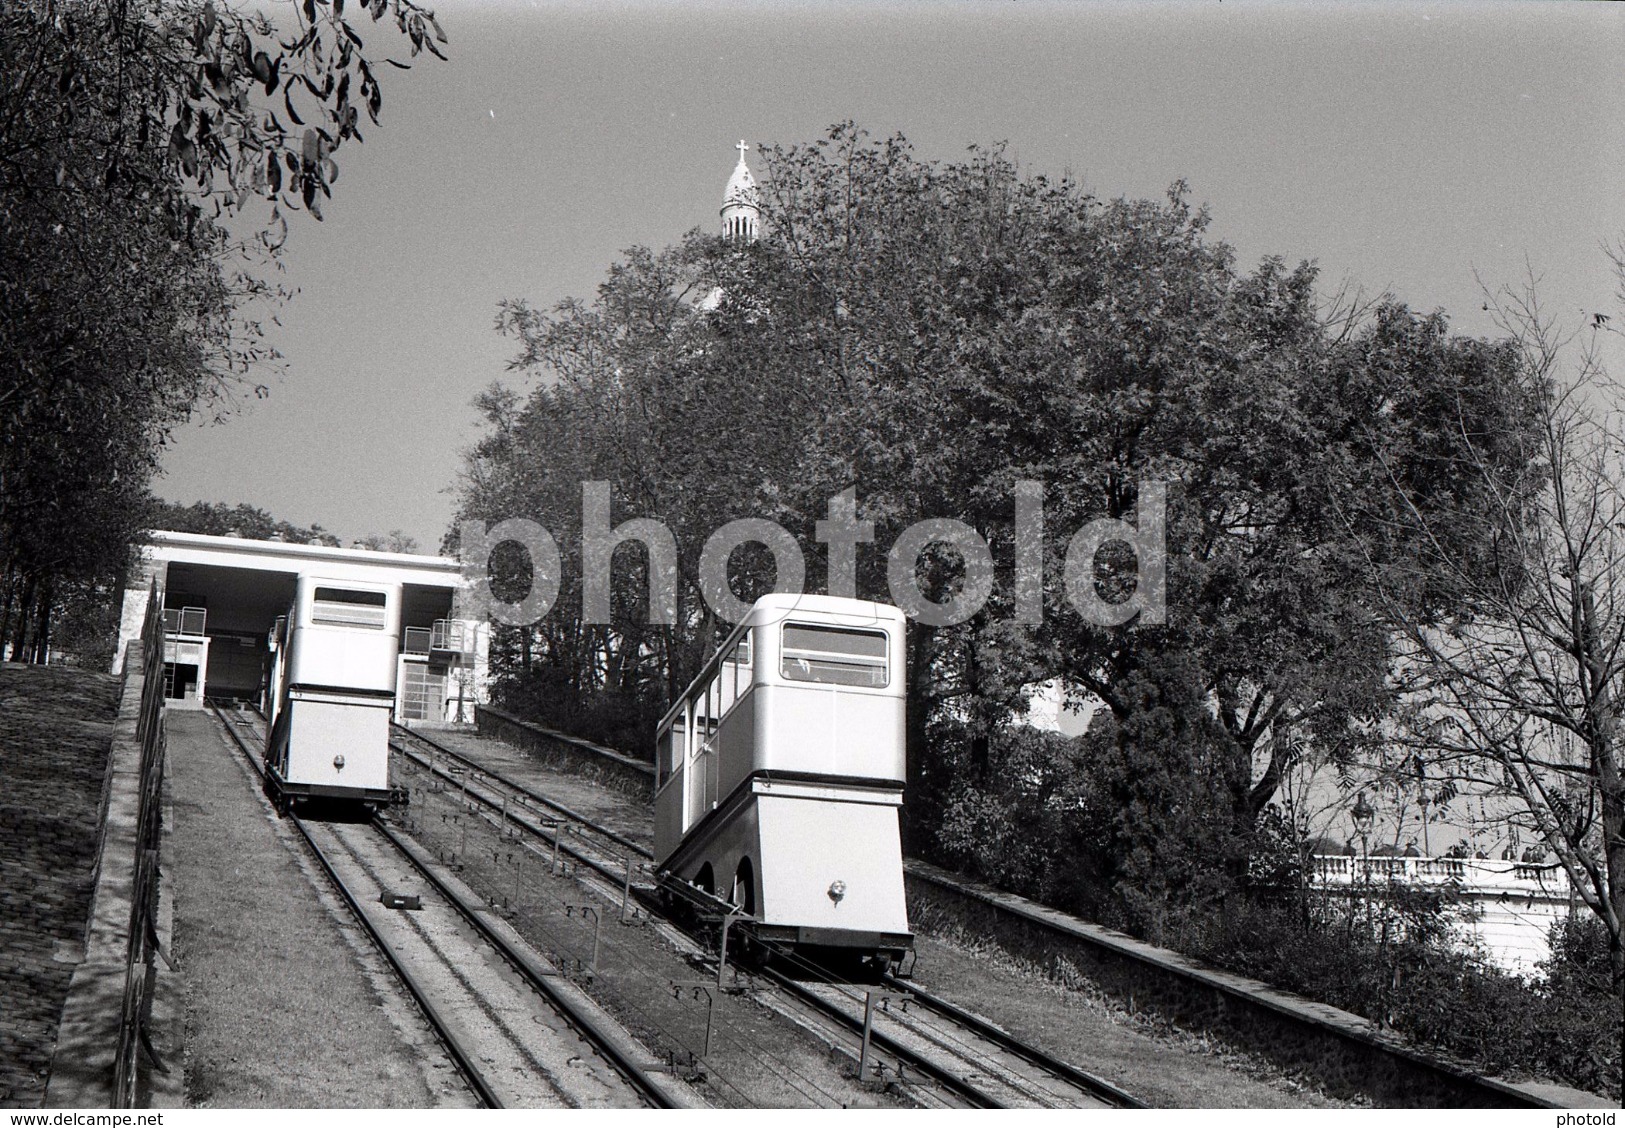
point(1397, 972)
point(622, 721)
point(1074, 823)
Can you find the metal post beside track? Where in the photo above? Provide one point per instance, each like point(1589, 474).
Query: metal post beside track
point(700, 989)
point(868, 1028)
point(597, 933)
point(710, 1018)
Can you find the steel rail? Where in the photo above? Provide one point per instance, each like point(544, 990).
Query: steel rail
point(594, 1032)
point(922, 1065)
point(1496, 1093)
point(528, 968)
point(1088, 1082)
point(546, 835)
point(459, 1055)
point(515, 785)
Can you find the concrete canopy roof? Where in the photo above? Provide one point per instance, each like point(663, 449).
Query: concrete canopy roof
point(303, 559)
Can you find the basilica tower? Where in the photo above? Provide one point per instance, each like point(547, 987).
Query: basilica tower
point(741, 203)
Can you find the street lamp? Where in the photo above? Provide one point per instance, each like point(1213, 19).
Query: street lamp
point(1364, 814)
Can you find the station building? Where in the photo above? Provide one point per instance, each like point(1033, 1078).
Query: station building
point(222, 597)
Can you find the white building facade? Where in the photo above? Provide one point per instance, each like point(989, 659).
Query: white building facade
point(1510, 907)
point(222, 597)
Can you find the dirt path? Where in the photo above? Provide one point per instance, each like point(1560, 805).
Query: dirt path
point(285, 1007)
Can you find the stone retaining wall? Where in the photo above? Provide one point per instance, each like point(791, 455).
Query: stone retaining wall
point(1345, 1053)
point(607, 766)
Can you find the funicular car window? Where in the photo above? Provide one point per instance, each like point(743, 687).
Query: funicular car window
point(833, 655)
point(672, 744)
point(737, 671)
point(345, 607)
point(705, 723)
point(713, 715)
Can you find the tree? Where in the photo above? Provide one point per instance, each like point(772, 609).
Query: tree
point(967, 327)
point(129, 131)
point(928, 335)
point(1519, 687)
point(106, 330)
point(396, 540)
point(642, 389)
point(220, 519)
point(218, 96)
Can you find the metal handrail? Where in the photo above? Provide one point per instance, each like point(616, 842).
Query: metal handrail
point(185, 620)
point(142, 949)
point(449, 634)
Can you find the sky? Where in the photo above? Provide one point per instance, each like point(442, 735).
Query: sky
point(1423, 148)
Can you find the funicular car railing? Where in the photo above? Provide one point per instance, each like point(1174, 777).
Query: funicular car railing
point(142, 950)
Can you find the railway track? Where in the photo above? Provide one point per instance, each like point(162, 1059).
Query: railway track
point(520, 1035)
point(965, 1065)
point(614, 857)
point(1084, 1082)
point(1402, 1075)
point(943, 1055)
